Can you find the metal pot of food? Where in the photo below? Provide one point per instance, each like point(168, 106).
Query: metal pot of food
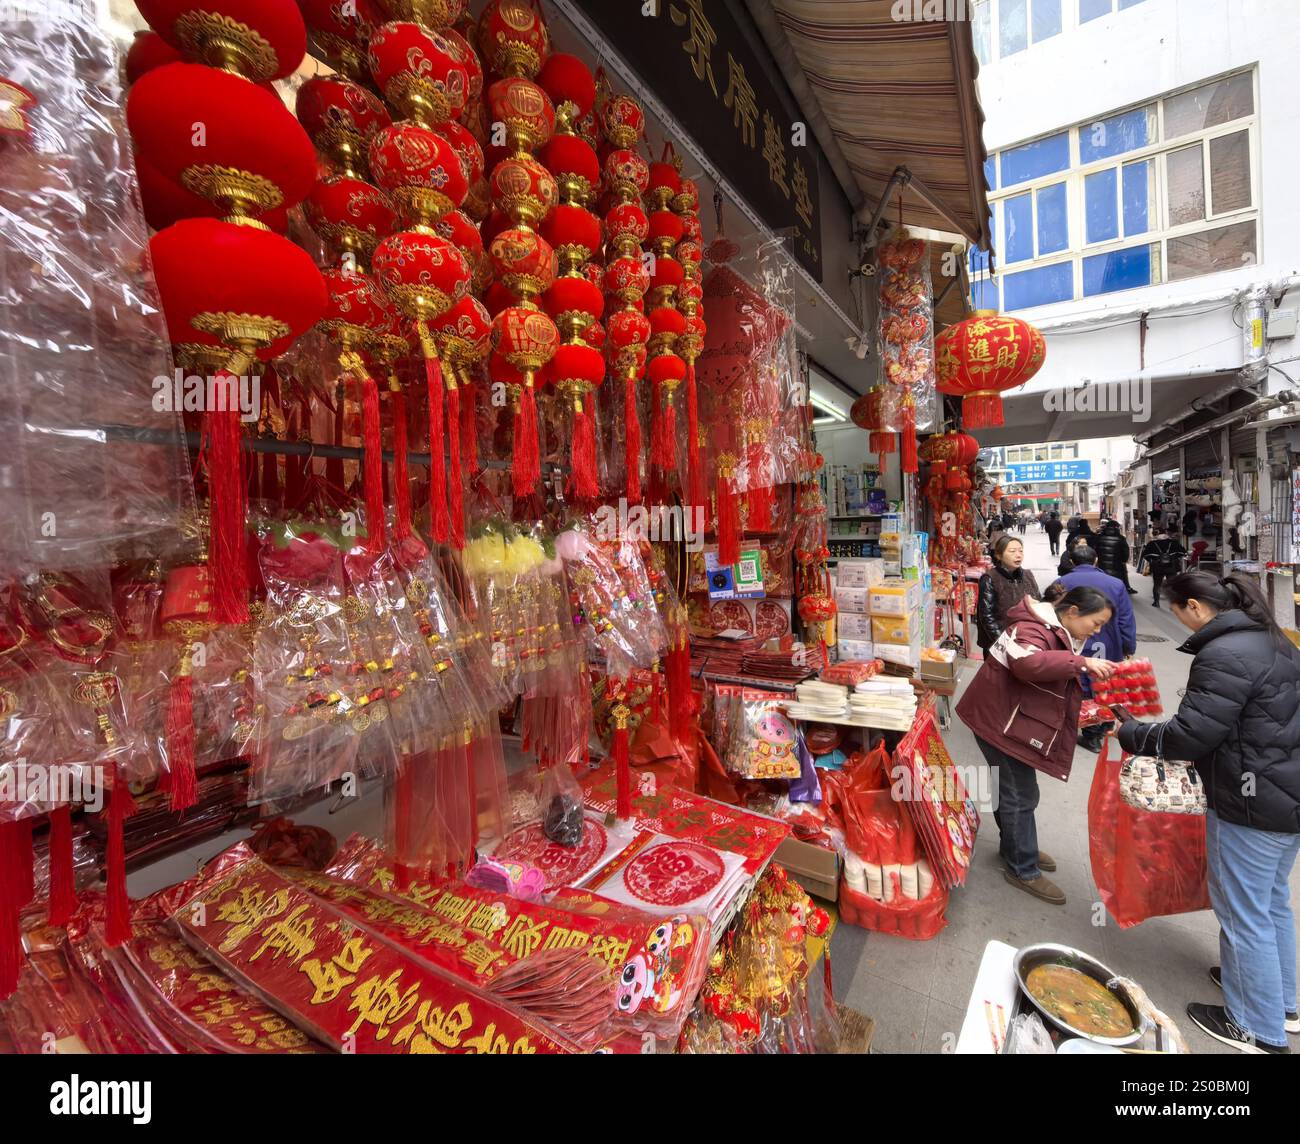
point(1072, 991)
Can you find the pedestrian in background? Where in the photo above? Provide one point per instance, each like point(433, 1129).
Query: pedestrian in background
point(1023, 708)
point(1002, 587)
point(1113, 553)
point(1054, 528)
point(1239, 722)
point(1163, 557)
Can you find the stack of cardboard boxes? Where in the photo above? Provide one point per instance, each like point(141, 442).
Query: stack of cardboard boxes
point(878, 617)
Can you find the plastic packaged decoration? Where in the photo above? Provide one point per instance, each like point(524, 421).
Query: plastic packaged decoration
point(906, 338)
point(92, 464)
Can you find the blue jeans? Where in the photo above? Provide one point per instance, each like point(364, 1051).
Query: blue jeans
point(1250, 873)
point(1017, 801)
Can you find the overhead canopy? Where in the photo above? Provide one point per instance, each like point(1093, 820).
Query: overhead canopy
point(897, 94)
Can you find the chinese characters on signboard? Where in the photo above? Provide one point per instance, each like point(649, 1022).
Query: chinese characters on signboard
point(1050, 471)
point(704, 62)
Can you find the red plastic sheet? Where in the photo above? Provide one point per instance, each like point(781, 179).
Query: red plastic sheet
point(1145, 865)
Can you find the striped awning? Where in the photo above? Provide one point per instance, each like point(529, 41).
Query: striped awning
point(898, 93)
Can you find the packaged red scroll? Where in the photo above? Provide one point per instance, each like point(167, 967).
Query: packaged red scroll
point(345, 983)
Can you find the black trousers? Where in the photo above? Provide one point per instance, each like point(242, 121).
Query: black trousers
point(1157, 578)
point(1055, 542)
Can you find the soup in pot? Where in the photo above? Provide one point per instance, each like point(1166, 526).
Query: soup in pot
point(1080, 1001)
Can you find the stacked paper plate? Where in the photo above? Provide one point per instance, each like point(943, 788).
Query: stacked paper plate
point(814, 701)
point(888, 704)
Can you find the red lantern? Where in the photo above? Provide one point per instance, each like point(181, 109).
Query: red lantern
point(575, 234)
point(525, 340)
point(166, 202)
point(623, 121)
point(340, 31)
point(577, 369)
point(513, 38)
point(627, 174)
point(341, 117)
point(457, 229)
point(873, 411)
point(260, 39)
point(419, 168)
point(466, 333)
point(350, 215)
point(524, 262)
point(422, 274)
point(575, 165)
point(148, 51)
point(468, 59)
point(467, 149)
point(568, 80)
point(627, 227)
point(419, 72)
point(251, 154)
point(984, 356)
point(525, 110)
point(523, 189)
point(574, 304)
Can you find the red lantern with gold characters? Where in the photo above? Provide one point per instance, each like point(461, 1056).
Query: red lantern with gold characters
point(983, 357)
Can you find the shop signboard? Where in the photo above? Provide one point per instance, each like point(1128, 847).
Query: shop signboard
point(704, 61)
point(1046, 472)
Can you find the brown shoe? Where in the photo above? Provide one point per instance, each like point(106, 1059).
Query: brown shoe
point(1046, 862)
point(1040, 887)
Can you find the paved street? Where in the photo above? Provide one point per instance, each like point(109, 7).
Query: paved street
point(917, 991)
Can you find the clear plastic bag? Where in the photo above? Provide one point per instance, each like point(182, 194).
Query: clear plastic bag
point(91, 468)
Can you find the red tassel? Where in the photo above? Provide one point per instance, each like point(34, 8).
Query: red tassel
point(228, 493)
point(117, 925)
point(694, 470)
point(681, 696)
point(728, 522)
point(456, 478)
point(13, 878)
point(26, 862)
point(632, 440)
point(882, 442)
point(295, 468)
point(372, 465)
point(402, 803)
point(623, 771)
point(909, 460)
point(401, 467)
point(469, 431)
point(527, 468)
point(440, 523)
point(63, 887)
point(583, 485)
point(760, 509)
point(179, 729)
point(982, 411)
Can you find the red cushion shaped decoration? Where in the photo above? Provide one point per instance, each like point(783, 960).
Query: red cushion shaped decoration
point(420, 169)
point(575, 234)
point(567, 79)
point(418, 71)
point(148, 51)
point(339, 31)
point(249, 154)
point(350, 215)
point(261, 39)
point(575, 165)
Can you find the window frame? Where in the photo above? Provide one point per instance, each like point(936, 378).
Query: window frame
point(1159, 229)
point(989, 51)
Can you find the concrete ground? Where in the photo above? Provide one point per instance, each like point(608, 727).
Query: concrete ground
point(917, 992)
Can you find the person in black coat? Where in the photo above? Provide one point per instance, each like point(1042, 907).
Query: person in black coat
point(1112, 553)
point(1239, 722)
point(1053, 527)
point(1002, 588)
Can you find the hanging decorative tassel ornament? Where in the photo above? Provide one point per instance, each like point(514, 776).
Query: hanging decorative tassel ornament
point(681, 697)
point(440, 520)
point(728, 512)
point(121, 806)
point(183, 782)
point(622, 760)
point(228, 492)
point(456, 480)
point(631, 438)
point(12, 882)
point(63, 888)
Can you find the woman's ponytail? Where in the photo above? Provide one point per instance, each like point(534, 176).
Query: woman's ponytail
point(1233, 592)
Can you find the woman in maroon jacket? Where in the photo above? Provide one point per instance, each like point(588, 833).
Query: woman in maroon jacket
point(1023, 707)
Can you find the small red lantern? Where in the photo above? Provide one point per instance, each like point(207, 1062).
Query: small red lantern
point(525, 110)
point(340, 31)
point(468, 59)
point(574, 304)
point(524, 262)
point(627, 174)
point(568, 80)
point(623, 121)
point(424, 275)
point(421, 171)
point(575, 165)
point(627, 227)
point(874, 412)
point(984, 356)
point(513, 38)
point(574, 232)
point(350, 215)
point(467, 149)
point(457, 229)
point(523, 189)
point(627, 279)
point(341, 117)
point(419, 72)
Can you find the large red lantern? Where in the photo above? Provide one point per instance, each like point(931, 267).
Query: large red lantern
point(419, 72)
point(982, 357)
point(340, 30)
point(260, 39)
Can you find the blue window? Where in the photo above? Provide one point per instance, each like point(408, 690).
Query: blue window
point(1137, 197)
point(985, 295)
point(1119, 133)
point(1128, 3)
point(1101, 213)
point(1018, 225)
point(1038, 287)
point(1117, 270)
point(1091, 9)
point(1013, 26)
point(1047, 19)
point(1053, 220)
point(991, 172)
point(1033, 160)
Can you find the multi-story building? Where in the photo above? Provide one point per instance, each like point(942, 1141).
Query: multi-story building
point(1142, 178)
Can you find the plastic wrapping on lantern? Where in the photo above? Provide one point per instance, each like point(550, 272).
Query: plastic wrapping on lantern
point(613, 601)
point(905, 331)
point(82, 337)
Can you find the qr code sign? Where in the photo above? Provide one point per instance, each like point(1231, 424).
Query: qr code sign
point(749, 569)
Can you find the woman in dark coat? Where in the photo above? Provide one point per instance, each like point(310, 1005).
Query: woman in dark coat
point(1239, 722)
point(1002, 587)
point(1023, 707)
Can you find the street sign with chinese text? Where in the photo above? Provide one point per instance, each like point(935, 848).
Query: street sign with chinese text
point(705, 63)
point(1040, 472)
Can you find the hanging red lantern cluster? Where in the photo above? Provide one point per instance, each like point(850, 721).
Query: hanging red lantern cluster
point(983, 357)
point(906, 335)
point(690, 343)
point(873, 411)
point(951, 457)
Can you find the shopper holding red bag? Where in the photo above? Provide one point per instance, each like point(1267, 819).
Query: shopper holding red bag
point(1239, 722)
point(1023, 707)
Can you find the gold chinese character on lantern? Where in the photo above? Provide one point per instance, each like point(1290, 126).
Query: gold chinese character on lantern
point(700, 39)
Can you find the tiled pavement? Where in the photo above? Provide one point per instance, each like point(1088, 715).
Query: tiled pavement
point(917, 991)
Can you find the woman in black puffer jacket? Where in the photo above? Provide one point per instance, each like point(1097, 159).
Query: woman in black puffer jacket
point(1239, 722)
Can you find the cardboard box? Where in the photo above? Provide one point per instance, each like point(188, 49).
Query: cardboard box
point(908, 655)
point(816, 869)
point(854, 651)
point(895, 598)
point(853, 626)
point(852, 600)
point(859, 573)
point(938, 672)
point(896, 629)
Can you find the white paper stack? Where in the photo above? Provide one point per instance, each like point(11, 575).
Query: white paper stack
point(888, 704)
point(816, 701)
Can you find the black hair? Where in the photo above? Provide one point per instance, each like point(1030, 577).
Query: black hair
point(1085, 555)
point(1233, 592)
point(1089, 601)
point(1054, 592)
point(1004, 542)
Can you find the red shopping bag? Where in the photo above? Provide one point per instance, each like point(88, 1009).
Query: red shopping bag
point(1145, 865)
